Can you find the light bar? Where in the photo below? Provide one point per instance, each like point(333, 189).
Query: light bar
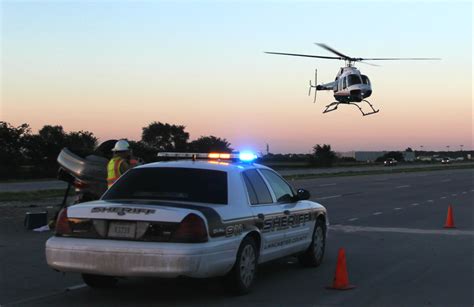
point(183, 155)
point(247, 156)
point(243, 156)
point(215, 155)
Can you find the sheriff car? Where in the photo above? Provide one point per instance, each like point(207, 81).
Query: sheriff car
point(221, 216)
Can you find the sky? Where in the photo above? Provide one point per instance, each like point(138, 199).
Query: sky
point(113, 67)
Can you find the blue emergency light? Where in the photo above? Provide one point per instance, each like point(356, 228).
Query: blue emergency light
point(247, 156)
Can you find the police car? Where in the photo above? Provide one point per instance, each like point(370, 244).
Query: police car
point(220, 216)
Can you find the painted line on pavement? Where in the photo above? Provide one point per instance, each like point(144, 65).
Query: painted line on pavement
point(414, 204)
point(398, 208)
point(76, 287)
point(353, 219)
point(402, 186)
point(442, 197)
point(430, 201)
point(454, 194)
point(446, 180)
point(377, 213)
point(43, 296)
point(464, 192)
point(327, 184)
point(449, 232)
point(328, 197)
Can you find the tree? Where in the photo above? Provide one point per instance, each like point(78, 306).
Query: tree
point(143, 151)
point(165, 137)
point(409, 149)
point(53, 139)
point(208, 144)
point(81, 142)
point(12, 142)
point(323, 155)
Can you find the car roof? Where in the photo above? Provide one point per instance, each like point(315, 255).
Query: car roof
point(222, 165)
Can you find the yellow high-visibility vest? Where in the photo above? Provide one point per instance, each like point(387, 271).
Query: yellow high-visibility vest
point(113, 170)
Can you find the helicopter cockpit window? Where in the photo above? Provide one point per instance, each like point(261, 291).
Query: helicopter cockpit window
point(353, 79)
point(365, 80)
point(344, 82)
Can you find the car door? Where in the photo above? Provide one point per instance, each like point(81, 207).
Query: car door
point(298, 214)
point(267, 212)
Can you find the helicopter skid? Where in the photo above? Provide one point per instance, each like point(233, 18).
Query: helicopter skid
point(333, 106)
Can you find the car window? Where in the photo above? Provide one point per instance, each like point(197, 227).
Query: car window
point(282, 190)
point(251, 191)
point(258, 191)
point(186, 184)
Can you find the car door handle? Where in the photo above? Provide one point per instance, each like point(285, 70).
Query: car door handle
point(261, 216)
point(286, 212)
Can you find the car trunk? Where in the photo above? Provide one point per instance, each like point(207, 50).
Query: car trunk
point(126, 221)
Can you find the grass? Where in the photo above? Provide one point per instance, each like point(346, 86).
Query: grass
point(33, 195)
point(43, 194)
point(392, 170)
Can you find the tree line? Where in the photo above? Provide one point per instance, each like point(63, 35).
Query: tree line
point(27, 154)
point(24, 154)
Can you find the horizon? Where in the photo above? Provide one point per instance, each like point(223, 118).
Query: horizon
point(113, 67)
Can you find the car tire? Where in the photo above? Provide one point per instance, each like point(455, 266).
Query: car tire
point(314, 255)
point(99, 281)
point(242, 275)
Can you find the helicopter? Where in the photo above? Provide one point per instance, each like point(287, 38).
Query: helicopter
point(350, 86)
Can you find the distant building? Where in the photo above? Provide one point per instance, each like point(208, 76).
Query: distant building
point(409, 156)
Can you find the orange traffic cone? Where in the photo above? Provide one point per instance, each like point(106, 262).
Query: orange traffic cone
point(449, 218)
point(341, 278)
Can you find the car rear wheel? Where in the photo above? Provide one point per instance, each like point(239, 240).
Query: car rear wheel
point(314, 255)
point(242, 276)
point(99, 281)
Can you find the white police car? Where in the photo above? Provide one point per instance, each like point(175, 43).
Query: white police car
point(197, 218)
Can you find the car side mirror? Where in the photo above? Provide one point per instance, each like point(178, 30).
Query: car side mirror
point(302, 194)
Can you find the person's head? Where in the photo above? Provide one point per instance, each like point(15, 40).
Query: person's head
point(122, 149)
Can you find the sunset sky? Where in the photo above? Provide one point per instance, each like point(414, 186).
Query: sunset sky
point(112, 67)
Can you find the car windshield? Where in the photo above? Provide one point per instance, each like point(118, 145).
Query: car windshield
point(185, 184)
point(353, 79)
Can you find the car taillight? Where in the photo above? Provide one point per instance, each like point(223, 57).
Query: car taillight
point(191, 230)
point(62, 223)
point(78, 184)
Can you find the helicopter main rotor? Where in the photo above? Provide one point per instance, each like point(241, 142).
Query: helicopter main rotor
point(349, 60)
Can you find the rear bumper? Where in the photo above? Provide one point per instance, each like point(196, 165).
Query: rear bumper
point(127, 258)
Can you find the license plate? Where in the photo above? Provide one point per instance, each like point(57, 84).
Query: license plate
point(122, 230)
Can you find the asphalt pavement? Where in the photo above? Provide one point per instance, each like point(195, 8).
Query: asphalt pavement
point(390, 225)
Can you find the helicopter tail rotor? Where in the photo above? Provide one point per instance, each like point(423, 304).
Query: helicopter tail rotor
point(315, 86)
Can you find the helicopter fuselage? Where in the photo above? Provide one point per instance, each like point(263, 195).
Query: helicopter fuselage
point(349, 86)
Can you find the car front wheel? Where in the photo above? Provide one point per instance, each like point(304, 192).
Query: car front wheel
point(313, 256)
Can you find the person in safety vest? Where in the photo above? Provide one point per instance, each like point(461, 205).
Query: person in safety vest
point(119, 163)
